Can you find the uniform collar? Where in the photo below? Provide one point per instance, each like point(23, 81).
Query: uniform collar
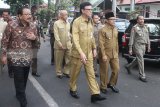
point(85, 20)
point(62, 21)
point(140, 25)
point(109, 26)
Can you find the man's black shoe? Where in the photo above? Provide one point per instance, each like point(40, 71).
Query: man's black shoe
point(74, 94)
point(96, 97)
point(143, 79)
point(24, 103)
point(104, 91)
point(66, 75)
point(59, 76)
point(113, 88)
point(128, 70)
point(36, 74)
point(11, 75)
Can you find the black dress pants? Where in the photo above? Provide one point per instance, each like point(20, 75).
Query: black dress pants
point(20, 81)
point(10, 72)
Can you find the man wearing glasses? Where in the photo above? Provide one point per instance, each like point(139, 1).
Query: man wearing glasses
point(108, 43)
point(83, 51)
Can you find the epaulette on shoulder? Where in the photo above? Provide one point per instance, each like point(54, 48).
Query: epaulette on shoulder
point(135, 26)
point(145, 25)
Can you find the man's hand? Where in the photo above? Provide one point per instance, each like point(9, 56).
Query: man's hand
point(83, 58)
point(104, 58)
point(60, 46)
point(149, 50)
point(31, 36)
point(94, 53)
point(130, 52)
point(4, 60)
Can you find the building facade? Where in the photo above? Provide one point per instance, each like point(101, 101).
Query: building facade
point(147, 8)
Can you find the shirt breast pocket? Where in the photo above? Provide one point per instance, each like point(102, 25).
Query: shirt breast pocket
point(61, 29)
point(108, 35)
point(83, 28)
point(139, 33)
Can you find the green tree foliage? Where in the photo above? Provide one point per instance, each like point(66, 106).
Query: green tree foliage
point(24, 1)
point(15, 4)
point(45, 15)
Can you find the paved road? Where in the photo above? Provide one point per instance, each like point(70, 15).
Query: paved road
point(49, 91)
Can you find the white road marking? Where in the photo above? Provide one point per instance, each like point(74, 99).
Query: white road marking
point(49, 100)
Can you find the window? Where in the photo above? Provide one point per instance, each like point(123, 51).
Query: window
point(127, 9)
point(153, 29)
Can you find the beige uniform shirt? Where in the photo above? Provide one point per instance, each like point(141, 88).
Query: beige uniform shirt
point(83, 39)
point(62, 34)
point(139, 35)
point(108, 41)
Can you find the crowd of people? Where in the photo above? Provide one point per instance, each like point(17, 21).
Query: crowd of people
point(87, 44)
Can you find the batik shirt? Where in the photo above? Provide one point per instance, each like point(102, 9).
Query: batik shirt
point(15, 44)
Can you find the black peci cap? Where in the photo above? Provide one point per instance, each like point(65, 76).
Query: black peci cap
point(109, 14)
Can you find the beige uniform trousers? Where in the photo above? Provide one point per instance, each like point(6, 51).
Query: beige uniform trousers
point(139, 50)
point(104, 68)
point(60, 56)
point(75, 70)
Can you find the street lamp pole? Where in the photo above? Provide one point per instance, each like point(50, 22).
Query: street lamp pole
point(30, 4)
point(114, 6)
point(132, 5)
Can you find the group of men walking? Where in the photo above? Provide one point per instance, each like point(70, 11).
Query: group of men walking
point(80, 47)
point(88, 43)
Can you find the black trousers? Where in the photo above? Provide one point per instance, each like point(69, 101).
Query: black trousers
point(20, 81)
point(52, 39)
point(10, 72)
point(34, 61)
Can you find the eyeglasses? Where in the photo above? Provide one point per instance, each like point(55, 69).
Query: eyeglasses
point(111, 19)
point(27, 14)
point(88, 9)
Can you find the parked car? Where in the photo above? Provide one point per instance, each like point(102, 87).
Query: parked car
point(154, 35)
point(121, 25)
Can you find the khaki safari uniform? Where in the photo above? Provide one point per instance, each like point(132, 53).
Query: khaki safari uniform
point(62, 36)
point(83, 41)
point(97, 27)
point(138, 40)
point(108, 43)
